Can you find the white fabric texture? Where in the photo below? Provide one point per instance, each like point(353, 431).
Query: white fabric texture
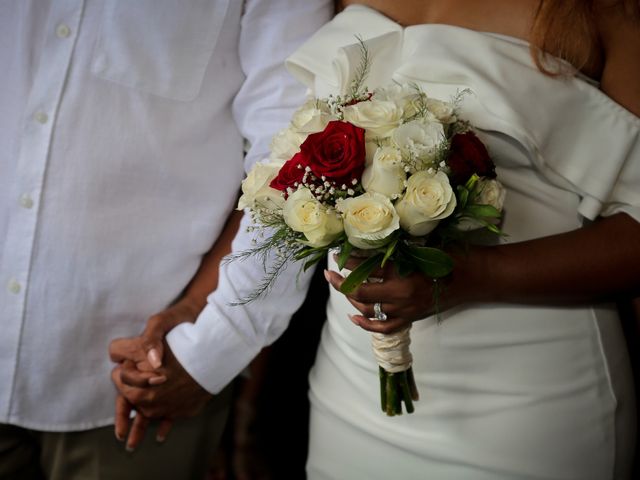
point(507, 391)
point(122, 141)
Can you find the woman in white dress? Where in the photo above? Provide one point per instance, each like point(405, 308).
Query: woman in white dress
point(526, 376)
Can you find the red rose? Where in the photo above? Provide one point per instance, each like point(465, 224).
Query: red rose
point(467, 156)
point(337, 153)
point(290, 173)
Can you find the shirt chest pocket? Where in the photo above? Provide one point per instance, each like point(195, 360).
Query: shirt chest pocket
point(160, 47)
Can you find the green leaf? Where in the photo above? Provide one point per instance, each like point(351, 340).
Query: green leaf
point(482, 211)
point(345, 251)
point(307, 251)
point(473, 179)
point(493, 228)
point(404, 266)
point(391, 248)
point(433, 262)
point(360, 273)
point(463, 196)
point(313, 260)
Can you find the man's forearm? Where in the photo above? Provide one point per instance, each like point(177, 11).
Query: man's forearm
point(205, 280)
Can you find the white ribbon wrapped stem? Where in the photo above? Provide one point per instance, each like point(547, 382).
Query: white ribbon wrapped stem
point(392, 350)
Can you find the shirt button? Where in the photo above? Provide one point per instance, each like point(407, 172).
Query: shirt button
point(63, 31)
point(26, 201)
point(41, 117)
point(13, 286)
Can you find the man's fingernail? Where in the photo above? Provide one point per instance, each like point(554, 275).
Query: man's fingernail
point(157, 380)
point(154, 358)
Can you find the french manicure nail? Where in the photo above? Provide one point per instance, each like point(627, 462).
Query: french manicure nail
point(157, 380)
point(160, 439)
point(129, 448)
point(326, 275)
point(154, 358)
point(119, 437)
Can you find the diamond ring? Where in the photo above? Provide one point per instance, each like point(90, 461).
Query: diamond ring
point(378, 313)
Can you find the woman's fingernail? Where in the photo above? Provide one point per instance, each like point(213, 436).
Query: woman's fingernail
point(157, 380)
point(160, 439)
point(154, 358)
point(129, 448)
point(119, 437)
point(353, 319)
point(326, 275)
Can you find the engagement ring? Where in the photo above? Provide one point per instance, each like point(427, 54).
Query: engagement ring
point(377, 311)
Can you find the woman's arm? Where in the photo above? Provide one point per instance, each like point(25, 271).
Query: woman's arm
point(595, 263)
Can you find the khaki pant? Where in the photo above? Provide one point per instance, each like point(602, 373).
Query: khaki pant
point(96, 454)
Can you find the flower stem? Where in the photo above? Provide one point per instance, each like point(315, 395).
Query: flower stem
point(396, 388)
point(415, 396)
point(383, 388)
point(391, 395)
point(397, 393)
point(406, 392)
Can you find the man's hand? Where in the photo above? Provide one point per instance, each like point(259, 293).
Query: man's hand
point(179, 396)
point(143, 355)
point(160, 324)
point(130, 352)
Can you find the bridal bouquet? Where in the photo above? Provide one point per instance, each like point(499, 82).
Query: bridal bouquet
point(387, 175)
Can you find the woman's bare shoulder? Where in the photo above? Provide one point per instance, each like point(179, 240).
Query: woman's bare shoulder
point(619, 30)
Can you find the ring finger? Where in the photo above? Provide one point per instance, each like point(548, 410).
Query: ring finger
point(368, 309)
point(388, 326)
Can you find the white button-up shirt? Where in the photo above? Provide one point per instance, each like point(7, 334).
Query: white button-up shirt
point(122, 127)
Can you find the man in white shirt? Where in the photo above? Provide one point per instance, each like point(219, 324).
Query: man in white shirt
point(121, 150)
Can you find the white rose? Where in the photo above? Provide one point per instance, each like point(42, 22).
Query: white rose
point(404, 96)
point(378, 118)
point(368, 219)
point(429, 198)
point(395, 93)
point(312, 117)
point(443, 111)
point(285, 144)
point(305, 214)
point(256, 190)
point(419, 139)
point(372, 147)
point(490, 192)
point(386, 173)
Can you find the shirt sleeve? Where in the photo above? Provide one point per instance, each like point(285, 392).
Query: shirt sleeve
point(271, 31)
point(226, 337)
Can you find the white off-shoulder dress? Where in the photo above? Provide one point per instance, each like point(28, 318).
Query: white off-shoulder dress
point(507, 391)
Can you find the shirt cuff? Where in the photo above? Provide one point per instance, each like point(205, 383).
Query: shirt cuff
point(227, 336)
point(211, 350)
